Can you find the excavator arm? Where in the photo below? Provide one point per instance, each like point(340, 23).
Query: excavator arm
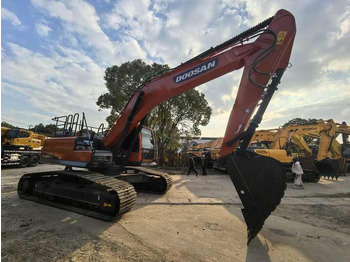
point(260, 181)
point(264, 59)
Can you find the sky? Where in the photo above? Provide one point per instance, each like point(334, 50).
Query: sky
point(54, 54)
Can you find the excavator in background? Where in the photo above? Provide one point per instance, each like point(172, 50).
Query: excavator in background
point(260, 144)
point(324, 155)
point(342, 151)
point(205, 149)
point(264, 137)
point(113, 157)
point(264, 143)
point(326, 150)
point(20, 147)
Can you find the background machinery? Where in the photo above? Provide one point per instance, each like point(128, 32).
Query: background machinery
point(20, 147)
point(261, 144)
point(342, 150)
point(311, 142)
point(265, 142)
point(107, 189)
point(318, 140)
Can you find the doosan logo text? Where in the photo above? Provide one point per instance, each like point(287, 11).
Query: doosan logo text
point(200, 69)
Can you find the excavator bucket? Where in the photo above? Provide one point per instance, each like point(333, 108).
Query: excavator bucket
point(311, 173)
point(260, 182)
point(329, 168)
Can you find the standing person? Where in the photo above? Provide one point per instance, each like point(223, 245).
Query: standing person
point(204, 164)
point(298, 171)
point(191, 165)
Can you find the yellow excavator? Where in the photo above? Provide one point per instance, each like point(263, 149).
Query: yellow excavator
point(324, 155)
point(261, 144)
point(331, 158)
point(210, 149)
point(20, 147)
point(264, 143)
point(342, 151)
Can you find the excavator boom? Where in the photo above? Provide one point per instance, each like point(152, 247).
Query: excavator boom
point(261, 60)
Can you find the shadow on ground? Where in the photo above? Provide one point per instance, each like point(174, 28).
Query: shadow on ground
point(34, 232)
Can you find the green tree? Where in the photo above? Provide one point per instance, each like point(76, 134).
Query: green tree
point(300, 121)
point(39, 128)
point(121, 82)
point(5, 124)
point(46, 130)
point(177, 116)
point(181, 115)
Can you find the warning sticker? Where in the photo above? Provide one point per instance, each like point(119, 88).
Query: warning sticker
point(280, 37)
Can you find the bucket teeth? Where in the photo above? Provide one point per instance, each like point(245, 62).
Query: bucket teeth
point(260, 182)
point(329, 168)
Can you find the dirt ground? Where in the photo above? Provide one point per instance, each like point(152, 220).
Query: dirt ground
point(199, 219)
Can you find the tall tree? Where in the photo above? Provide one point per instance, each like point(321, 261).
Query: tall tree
point(182, 114)
point(121, 82)
point(46, 130)
point(5, 124)
point(300, 121)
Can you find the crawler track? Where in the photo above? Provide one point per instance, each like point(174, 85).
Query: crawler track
point(87, 193)
point(156, 181)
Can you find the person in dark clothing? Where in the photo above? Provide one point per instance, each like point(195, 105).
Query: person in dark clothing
point(191, 165)
point(204, 165)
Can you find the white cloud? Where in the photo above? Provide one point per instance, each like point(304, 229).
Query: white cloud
point(334, 107)
point(8, 15)
point(80, 18)
point(318, 83)
point(42, 29)
point(61, 83)
point(175, 31)
point(32, 119)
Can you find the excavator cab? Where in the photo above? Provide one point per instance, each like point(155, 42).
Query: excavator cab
point(149, 147)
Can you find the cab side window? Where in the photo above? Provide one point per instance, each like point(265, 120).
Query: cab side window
point(23, 134)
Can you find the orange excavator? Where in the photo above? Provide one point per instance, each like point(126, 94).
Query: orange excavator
point(108, 188)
